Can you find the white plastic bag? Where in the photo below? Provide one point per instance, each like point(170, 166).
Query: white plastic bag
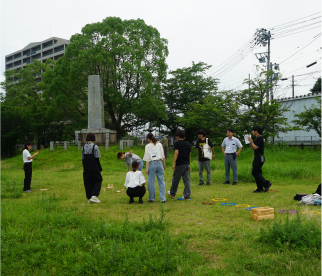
point(207, 152)
point(309, 199)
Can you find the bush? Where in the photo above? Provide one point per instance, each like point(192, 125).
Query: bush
point(293, 234)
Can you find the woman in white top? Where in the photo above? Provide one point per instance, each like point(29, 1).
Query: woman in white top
point(135, 183)
point(155, 165)
point(27, 159)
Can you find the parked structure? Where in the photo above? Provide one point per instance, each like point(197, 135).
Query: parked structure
point(297, 104)
point(52, 48)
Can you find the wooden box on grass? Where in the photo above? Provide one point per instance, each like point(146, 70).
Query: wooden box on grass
point(262, 213)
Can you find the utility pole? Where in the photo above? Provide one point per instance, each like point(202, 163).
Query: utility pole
point(268, 63)
point(292, 86)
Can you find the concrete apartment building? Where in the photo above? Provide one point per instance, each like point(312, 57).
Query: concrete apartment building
point(296, 106)
point(52, 48)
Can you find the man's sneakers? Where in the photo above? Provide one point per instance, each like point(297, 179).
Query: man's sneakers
point(170, 195)
point(234, 183)
point(226, 182)
point(267, 188)
point(28, 191)
point(258, 191)
point(94, 199)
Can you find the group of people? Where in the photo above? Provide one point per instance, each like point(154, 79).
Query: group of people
point(155, 165)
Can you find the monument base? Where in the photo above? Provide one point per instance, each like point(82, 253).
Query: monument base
point(104, 136)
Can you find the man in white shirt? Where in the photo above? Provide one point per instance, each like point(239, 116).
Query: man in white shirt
point(231, 143)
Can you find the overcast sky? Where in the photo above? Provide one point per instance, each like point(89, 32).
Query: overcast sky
point(204, 30)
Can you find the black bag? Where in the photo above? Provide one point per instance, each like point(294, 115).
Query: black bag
point(299, 196)
point(319, 190)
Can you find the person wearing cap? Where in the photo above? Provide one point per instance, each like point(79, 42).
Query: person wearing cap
point(92, 169)
point(202, 161)
point(259, 159)
point(231, 143)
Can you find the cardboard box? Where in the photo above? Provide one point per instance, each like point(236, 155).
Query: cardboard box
point(262, 213)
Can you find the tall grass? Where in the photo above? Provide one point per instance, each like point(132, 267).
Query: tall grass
point(40, 237)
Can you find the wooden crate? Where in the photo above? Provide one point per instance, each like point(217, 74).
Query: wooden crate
point(262, 213)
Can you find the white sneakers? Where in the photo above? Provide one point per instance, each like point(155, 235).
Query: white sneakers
point(94, 199)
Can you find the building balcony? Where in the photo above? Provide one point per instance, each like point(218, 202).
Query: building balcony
point(47, 54)
point(16, 57)
point(56, 51)
point(27, 55)
point(9, 59)
point(47, 46)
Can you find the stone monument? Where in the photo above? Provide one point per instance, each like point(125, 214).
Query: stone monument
point(96, 123)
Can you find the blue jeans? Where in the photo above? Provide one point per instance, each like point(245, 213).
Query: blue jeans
point(156, 168)
point(230, 162)
point(140, 166)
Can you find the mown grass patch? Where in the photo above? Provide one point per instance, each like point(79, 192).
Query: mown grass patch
point(212, 239)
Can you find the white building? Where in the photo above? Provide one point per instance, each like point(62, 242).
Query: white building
point(296, 107)
point(52, 48)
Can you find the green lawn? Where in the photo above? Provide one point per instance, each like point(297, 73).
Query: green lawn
point(55, 232)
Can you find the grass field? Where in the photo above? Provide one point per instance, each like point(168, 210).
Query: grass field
point(55, 232)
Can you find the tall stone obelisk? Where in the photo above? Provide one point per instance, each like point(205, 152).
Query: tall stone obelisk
point(96, 122)
point(95, 102)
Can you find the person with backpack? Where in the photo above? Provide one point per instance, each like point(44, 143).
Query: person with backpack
point(203, 161)
point(92, 169)
point(259, 159)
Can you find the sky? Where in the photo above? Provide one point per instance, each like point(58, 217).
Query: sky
point(204, 30)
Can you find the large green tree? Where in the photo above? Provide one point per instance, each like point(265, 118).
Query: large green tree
point(310, 118)
point(25, 96)
point(14, 127)
point(130, 56)
point(240, 110)
point(317, 86)
point(185, 87)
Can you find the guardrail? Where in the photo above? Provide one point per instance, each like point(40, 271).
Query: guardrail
point(47, 46)
point(46, 54)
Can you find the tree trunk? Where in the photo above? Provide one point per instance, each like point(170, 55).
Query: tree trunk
point(8, 150)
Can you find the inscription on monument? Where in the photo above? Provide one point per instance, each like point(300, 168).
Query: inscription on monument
point(95, 102)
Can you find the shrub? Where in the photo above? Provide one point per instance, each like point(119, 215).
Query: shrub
point(293, 234)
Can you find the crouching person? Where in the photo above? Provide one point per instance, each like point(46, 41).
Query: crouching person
point(92, 169)
point(135, 183)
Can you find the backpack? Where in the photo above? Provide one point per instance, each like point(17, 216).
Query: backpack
point(310, 199)
point(299, 196)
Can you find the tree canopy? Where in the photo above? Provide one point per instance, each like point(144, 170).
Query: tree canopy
point(130, 56)
point(317, 86)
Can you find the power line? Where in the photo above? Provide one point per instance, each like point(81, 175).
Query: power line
point(316, 37)
point(279, 28)
point(294, 20)
point(292, 30)
point(296, 32)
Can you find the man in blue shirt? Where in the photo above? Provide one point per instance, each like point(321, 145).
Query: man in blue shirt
point(231, 143)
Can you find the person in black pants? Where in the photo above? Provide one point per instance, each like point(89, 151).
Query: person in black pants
point(181, 166)
point(259, 159)
point(27, 159)
point(135, 183)
point(92, 169)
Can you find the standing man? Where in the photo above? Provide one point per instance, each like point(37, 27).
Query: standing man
point(259, 159)
point(230, 154)
point(181, 166)
point(204, 162)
